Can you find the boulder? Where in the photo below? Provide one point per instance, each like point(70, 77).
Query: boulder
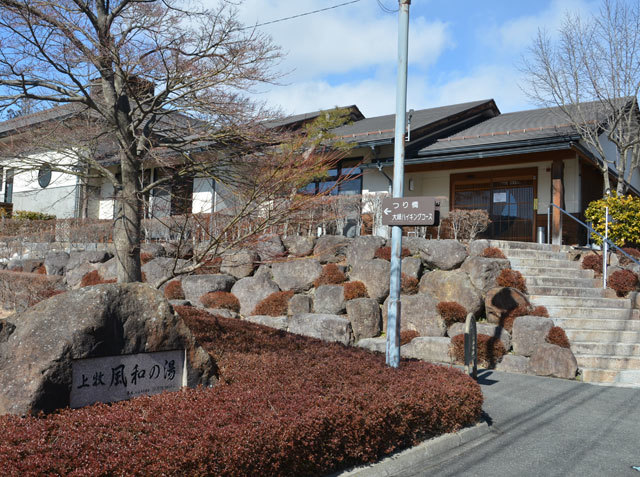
point(109, 269)
point(322, 326)
point(153, 248)
point(529, 332)
point(181, 249)
point(161, 267)
point(552, 360)
point(277, 322)
point(512, 363)
point(375, 276)
point(299, 246)
point(252, 290)
point(414, 244)
point(484, 329)
point(329, 299)
point(297, 275)
point(428, 348)
point(269, 247)
point(264, 270)
point(27, 265)
point(419, 313)
point(194, 286)
point(299, 304)
point(378, 345)
point(93, 256)
point(365, 318)
point(412, 267)
point(443, 254)
point(331, 248)
point(74, 276)
point(103, 320)
point(453, 285)
point(180, 303)
point(476, 247)
point(484, 271)
point(223, 312)
point(56, 263)
point(239, 263)
point(363, 248)
point(500, 300)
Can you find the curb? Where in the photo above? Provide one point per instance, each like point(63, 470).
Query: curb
point(424, 452)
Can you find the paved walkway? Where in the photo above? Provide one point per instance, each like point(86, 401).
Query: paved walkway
point(547, 427)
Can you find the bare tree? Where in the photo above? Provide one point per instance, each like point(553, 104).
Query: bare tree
point(592, 74)
point(152, 83)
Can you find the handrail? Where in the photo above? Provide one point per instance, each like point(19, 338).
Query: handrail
point(471, 347)
point(604, 239)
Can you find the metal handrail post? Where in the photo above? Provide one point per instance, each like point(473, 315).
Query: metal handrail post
point(548, 224)
point(605, 247)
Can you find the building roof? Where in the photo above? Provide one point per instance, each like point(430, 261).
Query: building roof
point(299, 119)
point(382, 128)
point(55, 113)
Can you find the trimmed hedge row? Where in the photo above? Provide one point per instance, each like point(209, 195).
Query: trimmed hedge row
point(285, 405)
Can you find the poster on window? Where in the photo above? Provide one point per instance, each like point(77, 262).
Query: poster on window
point(499, 197)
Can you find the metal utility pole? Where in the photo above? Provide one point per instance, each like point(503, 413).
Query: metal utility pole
point(393, 322)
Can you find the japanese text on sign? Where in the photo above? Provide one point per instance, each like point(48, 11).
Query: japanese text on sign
point(115, 378)
point(409, 211)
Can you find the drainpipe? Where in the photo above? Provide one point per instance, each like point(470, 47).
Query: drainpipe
point(379, 165)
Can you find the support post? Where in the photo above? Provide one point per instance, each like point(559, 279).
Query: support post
point(393, 322)
point(557, 196)
point(605, 247)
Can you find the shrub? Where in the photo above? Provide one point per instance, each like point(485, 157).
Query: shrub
point(173, 290)
point(634, 252)
point(452, 312)
point(539, 311)
point(384, 253)
point(592, 262)
point(280, 409)
point(41, 270)
point(407, 335)
point(331, 275)
point(28, 215)
point(276, 304)
point(623, 281)
point(409, 285)
point(19, 290)
point(220, 299)
point(209, 267)
point(467, 224)
point(145, 257)
point(557, 336)
point(513, 279)
point(94, 278)
point(355, 289)
point(492, 252)
point(490, 349)
point(520, 310)
point(624, 219)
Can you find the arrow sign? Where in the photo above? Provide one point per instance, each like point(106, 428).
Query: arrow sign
point(410, 211)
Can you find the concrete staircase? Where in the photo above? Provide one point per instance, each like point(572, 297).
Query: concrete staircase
point(604, 330)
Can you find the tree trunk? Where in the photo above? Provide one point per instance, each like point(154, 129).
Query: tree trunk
point(126, 234)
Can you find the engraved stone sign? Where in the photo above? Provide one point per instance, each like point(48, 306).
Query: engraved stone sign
point(116, 378)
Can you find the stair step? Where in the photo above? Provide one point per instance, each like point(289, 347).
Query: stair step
point(598, 324)
point(542, 281)
point(548, 300)
point(593, 313)
point(571, 291)
point(517, 263)
point(602, 336)
point(596, 375)
point(509, 245)
point(537, 271)
point(614, 349)
point(608, 362)
point(539, 254)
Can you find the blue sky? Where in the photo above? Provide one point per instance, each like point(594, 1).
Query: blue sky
point(460, 50)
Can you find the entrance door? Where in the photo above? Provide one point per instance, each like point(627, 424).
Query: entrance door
point(507, 196)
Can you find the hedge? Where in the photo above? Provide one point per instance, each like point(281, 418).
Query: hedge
point(285, 405)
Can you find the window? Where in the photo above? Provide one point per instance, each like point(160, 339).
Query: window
point(346, 179)
point(44, 176)
point(8, 191)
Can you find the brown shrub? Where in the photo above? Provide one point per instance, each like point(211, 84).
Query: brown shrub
point(623, 281)
point(557, 336)
point(173, 290)
point(592, 262)
point(94, 278)
point(409, 285)
point(41, 270)
point(492, 252)
point(539, 311)
point(521, 310)
point(280, 409)
point(354, 290)
point(490, 350)
point(384, 253)
point(220, 299)
point(331, 275)
point(407, 335)
point(634, 252)
point(209, 267)
point(452, 312)
point(145, 257)
point(276, 304)
point(513, 279)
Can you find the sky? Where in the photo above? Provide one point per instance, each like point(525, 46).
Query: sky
point(459, 51)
